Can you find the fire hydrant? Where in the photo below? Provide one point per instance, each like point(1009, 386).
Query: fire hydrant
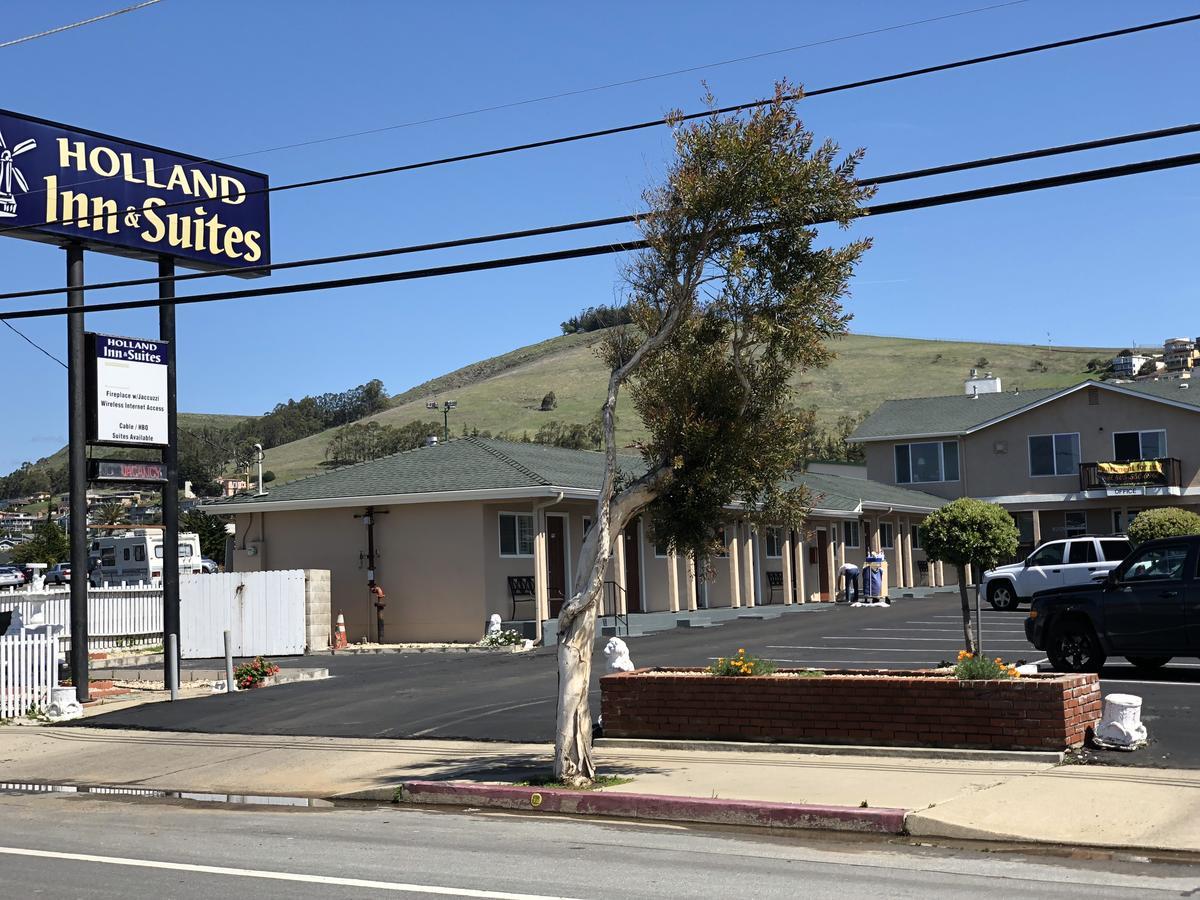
point(380, 600)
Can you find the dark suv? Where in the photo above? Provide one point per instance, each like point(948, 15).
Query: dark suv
point(1146, 610)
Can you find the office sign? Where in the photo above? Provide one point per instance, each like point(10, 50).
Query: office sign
point(59, 183)
point(127, 391)
point(127, 470)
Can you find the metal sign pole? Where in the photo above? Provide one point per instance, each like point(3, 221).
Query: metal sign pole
point(77, 463)
point(170, 458)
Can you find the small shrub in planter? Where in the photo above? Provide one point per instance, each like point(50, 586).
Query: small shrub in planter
point(254, 673)
point(979, 668)
point(742, 664)
point(508, 638)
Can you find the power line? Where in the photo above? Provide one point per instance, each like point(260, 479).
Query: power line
point(32, 343)
point(654, 123)
point(1000, 190)
point(61, 28)
point(628, 81)
point(963, 166)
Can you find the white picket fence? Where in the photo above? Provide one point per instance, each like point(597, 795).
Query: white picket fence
point(264, 612)
point(117, 616)
point(28, 670)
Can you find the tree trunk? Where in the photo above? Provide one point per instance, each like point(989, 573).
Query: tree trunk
point(968, 626)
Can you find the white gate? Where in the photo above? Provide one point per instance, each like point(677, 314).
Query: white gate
point(264, 611)
point(27, 673)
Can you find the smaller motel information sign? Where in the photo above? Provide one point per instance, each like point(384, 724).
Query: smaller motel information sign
point(127, 391)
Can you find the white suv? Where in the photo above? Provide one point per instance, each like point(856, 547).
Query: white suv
point(1053, 565)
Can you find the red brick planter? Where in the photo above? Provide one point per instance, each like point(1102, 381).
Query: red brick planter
point(904, 709)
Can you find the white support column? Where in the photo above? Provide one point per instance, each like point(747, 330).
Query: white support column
point(908, 555)
point(800, 558)
point(941, 574)
point(619, 573)
point(970, 575)
point(876, 546)
point(735, 578)
point(749, 566)
point(898, 551)
point(786, 552)
point(830, 561)
point(693, 589)
point(672, 581)
point(541, 571)
point(1037, 527)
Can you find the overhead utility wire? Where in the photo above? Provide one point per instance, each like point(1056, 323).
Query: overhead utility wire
point(61, 28)
point(606, 222)
point(654, 123)
point(34, 344)
point(628, 81)
point(1000, 190)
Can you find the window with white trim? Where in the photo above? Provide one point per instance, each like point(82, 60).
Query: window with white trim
point(887, 539)
point(1075, 524)
point(516, 534)
point(916, 537)
point(1133, 445)
point(774, 542)
point(926, 462)
point(1053, 454)
point(660, 549)
point(850, 534)
point(722, 542)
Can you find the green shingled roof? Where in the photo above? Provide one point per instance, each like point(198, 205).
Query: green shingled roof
point(961, 413)
point(475, 464)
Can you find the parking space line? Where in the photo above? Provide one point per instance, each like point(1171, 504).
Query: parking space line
point(863, 637)
point(957, 631)
point(858, 649)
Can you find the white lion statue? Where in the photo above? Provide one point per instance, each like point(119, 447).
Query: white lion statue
point(616, 651)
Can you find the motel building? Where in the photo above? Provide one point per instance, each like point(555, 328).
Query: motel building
point(1064, 462)
point(472, 527)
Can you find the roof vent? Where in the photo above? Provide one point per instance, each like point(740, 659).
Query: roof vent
point(1183, 385)
point(431, 441)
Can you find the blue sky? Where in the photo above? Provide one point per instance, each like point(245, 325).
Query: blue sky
point(1104, 264)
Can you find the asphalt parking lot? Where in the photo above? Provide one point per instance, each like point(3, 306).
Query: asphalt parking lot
point(512, 697)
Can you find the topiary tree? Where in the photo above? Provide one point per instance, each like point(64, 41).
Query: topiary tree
point(1160, 523)
point(965, 533)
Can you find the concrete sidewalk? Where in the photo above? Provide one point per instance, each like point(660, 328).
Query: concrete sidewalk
point(1151, 809)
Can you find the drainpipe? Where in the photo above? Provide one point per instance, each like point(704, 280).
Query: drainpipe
point(540, 585)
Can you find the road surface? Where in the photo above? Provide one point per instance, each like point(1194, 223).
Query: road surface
point(82, 846)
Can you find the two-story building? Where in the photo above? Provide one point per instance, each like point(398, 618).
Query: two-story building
point(1080, 460)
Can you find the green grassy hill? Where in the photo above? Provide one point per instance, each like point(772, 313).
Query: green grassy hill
point(503, 394)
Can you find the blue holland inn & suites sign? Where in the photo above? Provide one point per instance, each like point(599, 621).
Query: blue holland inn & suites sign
point(60, 184)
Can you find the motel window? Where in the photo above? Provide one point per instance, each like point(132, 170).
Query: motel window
point(722, 542)
point(516, 534)
point(774, 543)
point(1131, 445)
point(587, 526)
point(916, 537)
point(1024, 523)
point(929, 462)
point(887, 539)
point(660, 549)
point(850, 534)
point(1075, 524)
point(1053, 454)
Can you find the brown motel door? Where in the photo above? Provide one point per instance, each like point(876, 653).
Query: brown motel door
point(822, 569)
point(633, 570)
point(556, 550)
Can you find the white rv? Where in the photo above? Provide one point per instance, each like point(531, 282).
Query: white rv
point(137, 556)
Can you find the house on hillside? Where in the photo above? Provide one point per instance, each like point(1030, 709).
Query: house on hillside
point(453, 522)
point(1080, 460)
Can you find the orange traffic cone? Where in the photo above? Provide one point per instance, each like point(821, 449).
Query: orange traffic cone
point(339, 635)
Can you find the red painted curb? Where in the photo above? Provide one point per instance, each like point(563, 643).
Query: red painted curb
point(654, 806)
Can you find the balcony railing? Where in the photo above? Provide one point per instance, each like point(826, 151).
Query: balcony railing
point(1130, 476)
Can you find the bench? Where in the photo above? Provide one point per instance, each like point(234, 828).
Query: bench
point(775, 582)
point(521, 590)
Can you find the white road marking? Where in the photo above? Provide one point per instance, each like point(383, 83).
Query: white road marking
point(1116, 681)
point(946, 630)
point(332, 881)
point(867, 649)
point(864, 637)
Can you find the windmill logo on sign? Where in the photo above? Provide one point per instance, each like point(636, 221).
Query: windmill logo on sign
point(10, 173)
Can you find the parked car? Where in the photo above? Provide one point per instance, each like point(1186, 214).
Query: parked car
point(1144, 610)
point(11, 576)
point(1053, 565)
point(59, 574)
point(209, 566)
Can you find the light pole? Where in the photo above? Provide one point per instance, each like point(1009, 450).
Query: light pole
point(446, 407)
